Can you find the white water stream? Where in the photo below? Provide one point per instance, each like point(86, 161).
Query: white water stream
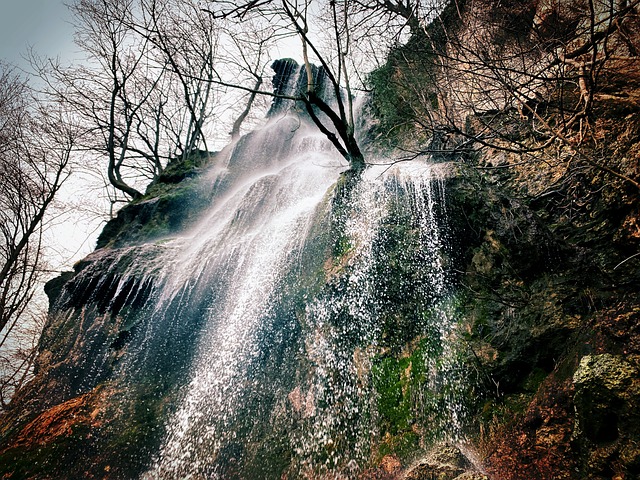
point(253, 235)
point(266, 321)
point(247, 242)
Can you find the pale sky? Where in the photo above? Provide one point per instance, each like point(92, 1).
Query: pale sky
point(43, 24)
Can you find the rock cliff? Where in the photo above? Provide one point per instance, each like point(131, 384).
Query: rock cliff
point(546, 208)
point(534, 108)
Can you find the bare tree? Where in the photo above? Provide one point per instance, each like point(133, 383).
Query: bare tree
point(339, 109)
point(141, 96)
point(517, 78)
point(107, 93)
point(199, 50)
point(35, 147)
point(333, 116)
point(246, 58)
point(185, 39)
point(393, 15)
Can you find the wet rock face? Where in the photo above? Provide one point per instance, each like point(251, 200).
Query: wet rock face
point(607, 394)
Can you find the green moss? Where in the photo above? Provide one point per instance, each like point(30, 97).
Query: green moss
point(179, 169)
point(397, 383)
point(393, 401)
point(403, 445)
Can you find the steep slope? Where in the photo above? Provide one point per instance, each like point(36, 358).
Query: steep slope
point(547, 203)
point(490, 302)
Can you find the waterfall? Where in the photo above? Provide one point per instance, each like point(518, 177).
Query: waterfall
point(245, 245)
point(345, 332)
point(303, 321)
point(318, 396)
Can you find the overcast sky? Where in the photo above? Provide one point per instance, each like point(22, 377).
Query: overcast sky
point(43, 24)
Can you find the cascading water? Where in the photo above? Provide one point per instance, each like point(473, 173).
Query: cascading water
point(269, 333)
point(247, 243)
point(319, 394)
point(349, 328)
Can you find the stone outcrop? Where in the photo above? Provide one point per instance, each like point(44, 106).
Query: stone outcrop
point(545, 250)
point(444, 462)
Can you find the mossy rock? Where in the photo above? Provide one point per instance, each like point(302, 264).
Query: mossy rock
point(172, 202)
point(179, 169)
point(607, 394)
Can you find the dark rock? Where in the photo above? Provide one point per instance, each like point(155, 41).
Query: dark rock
point(54, 286)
